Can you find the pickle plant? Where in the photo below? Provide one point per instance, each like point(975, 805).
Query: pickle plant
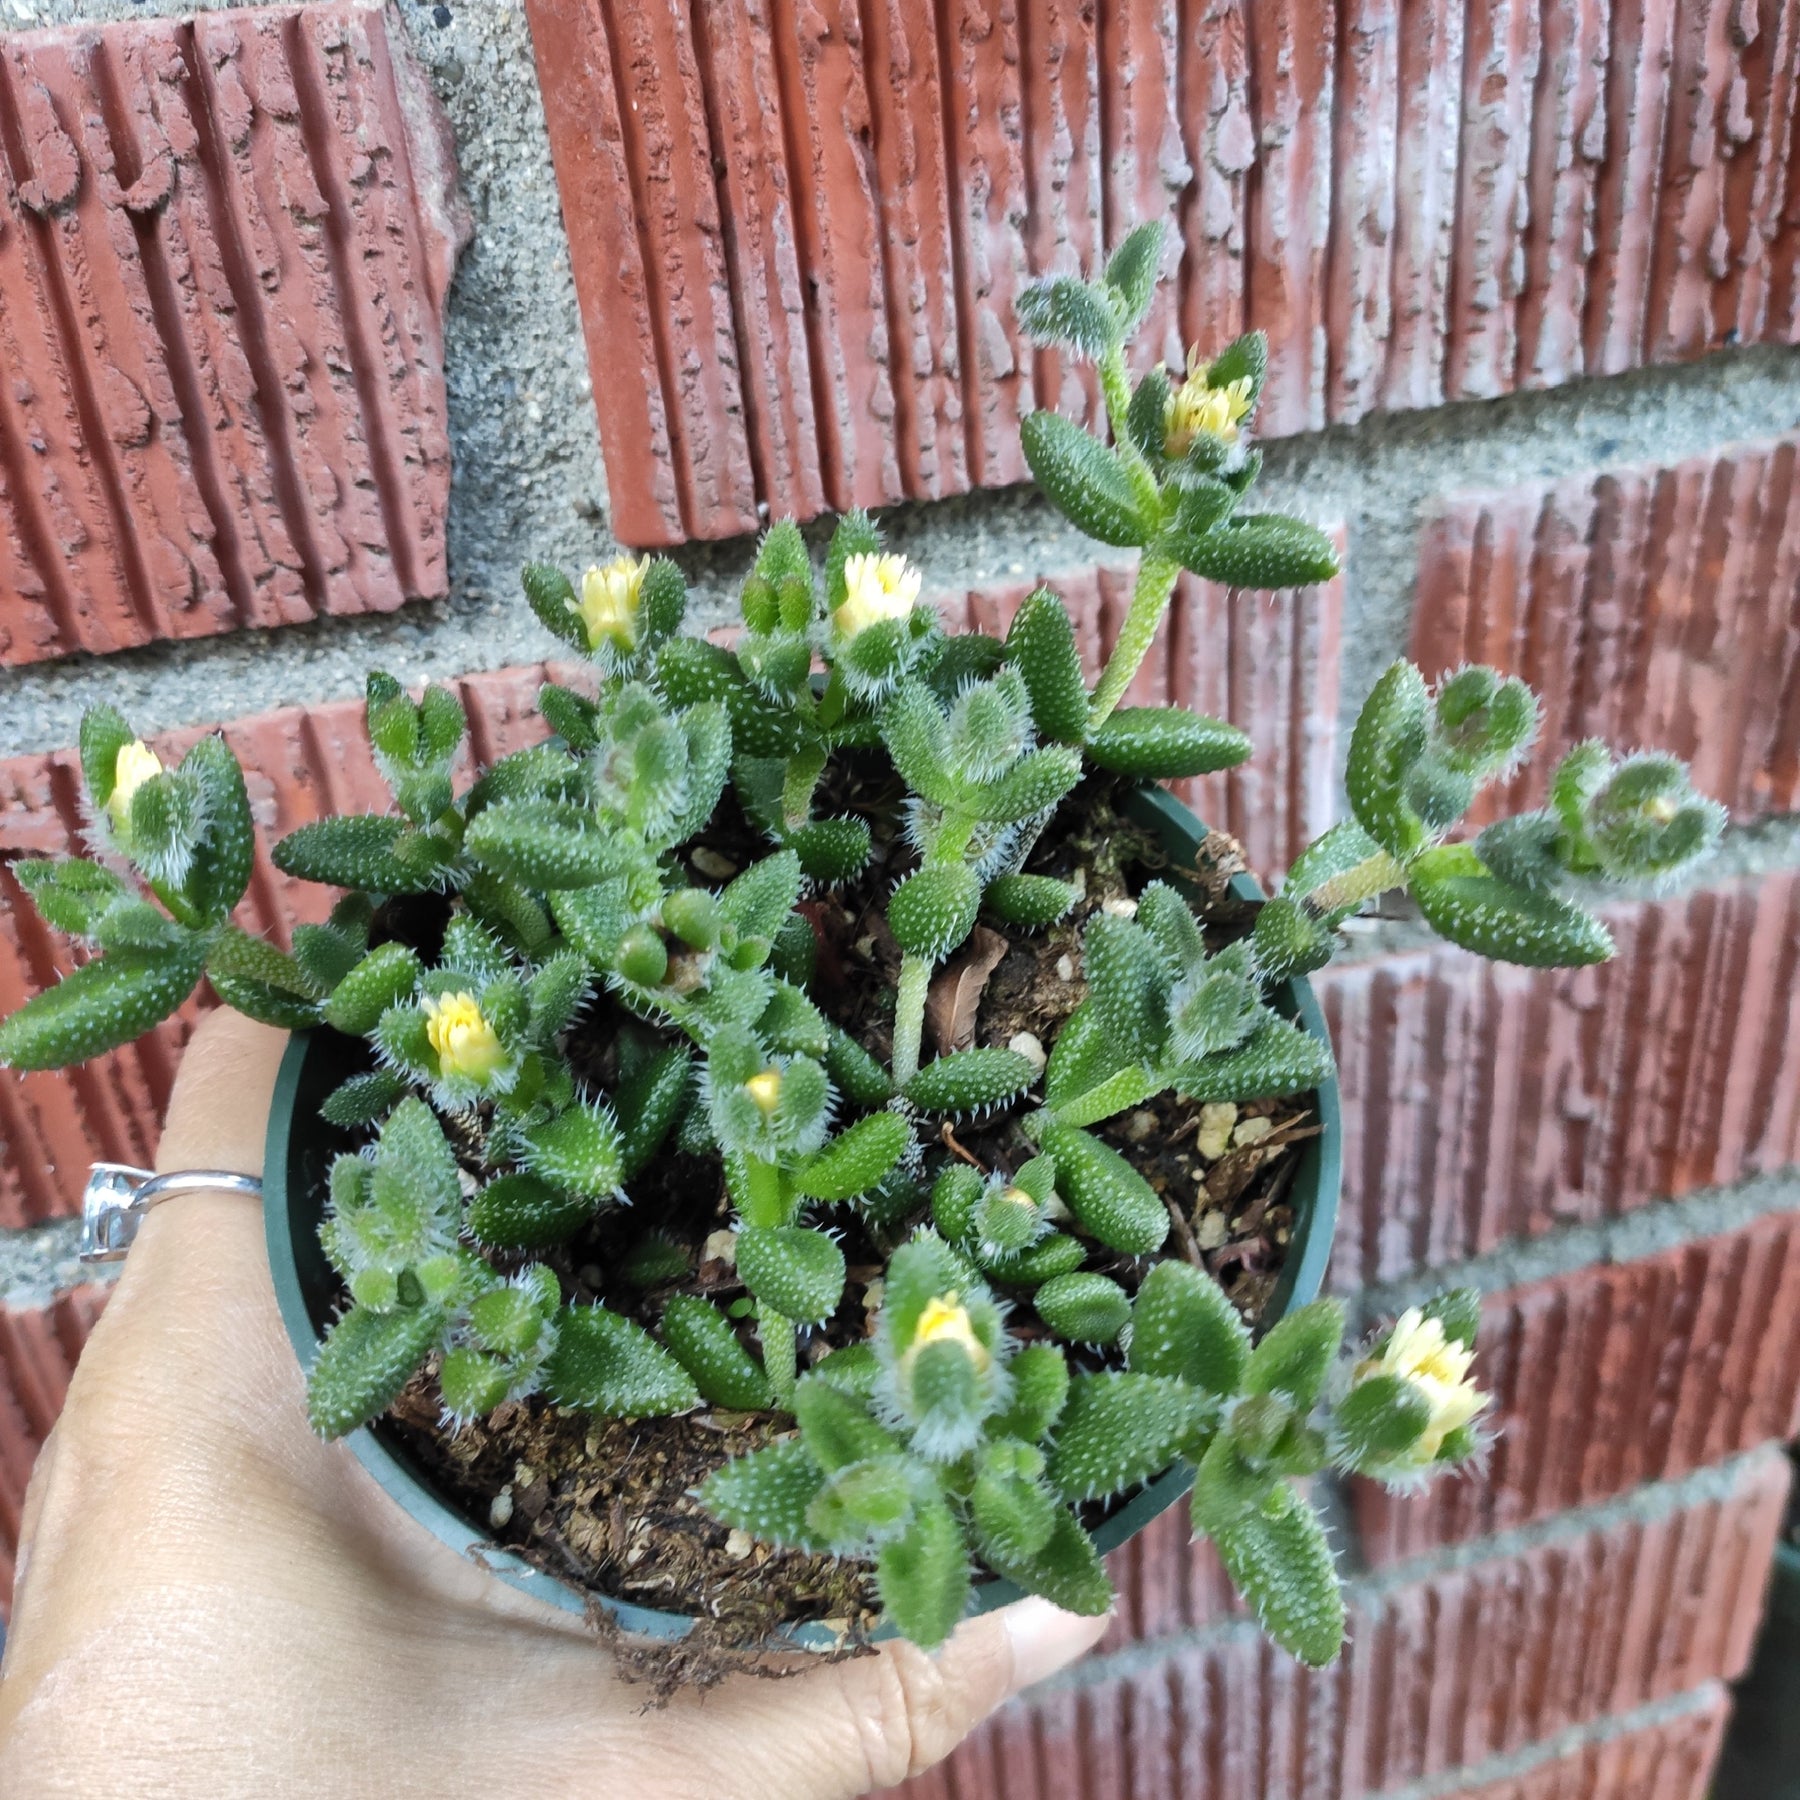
point(554, 1000)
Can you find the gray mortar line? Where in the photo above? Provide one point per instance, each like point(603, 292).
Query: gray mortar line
point(1644, 1231)
point(1643, 1505)
point(38, 1262)
point(1517, 1763)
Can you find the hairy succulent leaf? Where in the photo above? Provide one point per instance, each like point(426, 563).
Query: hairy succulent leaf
point(933, 910)
point(1183, 1326)
point(359, 850)
point(855, 1160)
point(1389, 737)
point(703, 1342)
point(1066, 1571)
point(1066, 310)
point(579, 1150)
point(389, 974)
point(1279, 1560)
point(361, 1099)
point(1110, 1198)
point(1030, 901)
point(606, 1365)
point(1260, 550)
point(767, 1493)
point(1040, 643)
point(1166, 743)
point(967, 1081)
point(1297, 1354)
point(1084, 1308)
point(366, 1359)
point(104, 1003)
point(797, 1271)
point(1119, 1429)
point(1086, 482)
point(648, 1104)
point(923, 1575)
point(522, 1212)
point(1463, 902)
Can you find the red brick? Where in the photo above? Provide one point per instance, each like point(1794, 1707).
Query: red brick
point(1614, 1375)
point(805, 227)
point(299, 763)
point(1484, 1102)
point(1441, 1672)
point(1647, 605)
point(1670, 1760)
point(38, 1348)
point(224, 250)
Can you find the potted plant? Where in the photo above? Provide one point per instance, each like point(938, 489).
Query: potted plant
point(938, 1055)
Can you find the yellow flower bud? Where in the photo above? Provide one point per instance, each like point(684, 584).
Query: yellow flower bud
point(611, 599)
point(1195, 407)
point(1418, 1351)
point(1017, 1196)
point(465, 1043)
point(765, 1090)
point(135, 764)
point(945, 1320)
point(875, 588)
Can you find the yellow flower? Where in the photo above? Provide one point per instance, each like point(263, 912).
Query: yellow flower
point(464, 1041)
point(1418, 1351)
point(1195, 407)
point(135, 764)
point(875, 588)
point(610, 601)
point(1017, 1196)
point(945, 1321)
point(765, 1090)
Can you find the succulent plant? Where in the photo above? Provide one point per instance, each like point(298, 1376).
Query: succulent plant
point(1034, 1355)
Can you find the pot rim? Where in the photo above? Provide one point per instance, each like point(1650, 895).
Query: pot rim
point(292, 1240)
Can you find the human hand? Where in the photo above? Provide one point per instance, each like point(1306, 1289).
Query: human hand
point(212, 1602)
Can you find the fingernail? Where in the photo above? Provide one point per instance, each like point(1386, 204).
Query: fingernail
point(1044, 1639)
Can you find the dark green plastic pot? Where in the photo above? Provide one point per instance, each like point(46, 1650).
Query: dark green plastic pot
point(1762, 1749)
point(301, 1146)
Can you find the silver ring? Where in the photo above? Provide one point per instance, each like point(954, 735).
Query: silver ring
point(117, 1196)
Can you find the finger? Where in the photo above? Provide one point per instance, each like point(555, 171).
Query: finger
point(219, 1109)
point(872, 1722)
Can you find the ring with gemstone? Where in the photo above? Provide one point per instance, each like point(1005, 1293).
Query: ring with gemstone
point(117, 1196)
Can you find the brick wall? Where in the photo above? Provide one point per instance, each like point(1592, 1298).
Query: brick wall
point(1529, 274)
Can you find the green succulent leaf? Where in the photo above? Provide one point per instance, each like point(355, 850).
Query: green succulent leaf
point(703, 1342)
point(1183, 1326)
point(1030, 901)
point(1278, 1558)
point(648, 1104)
point(389, 974)
point(103, 1004)
point(1388, 739)
point(1040, 1391)
point(934, 910)
point(552, 597)
point(758, 901)
point(1378, 1421)
point(578, 1150)
point(1166, 743)
point(1296, 1355)
point(1260, 550)
point(72, 894)
point(1110, 1198)
point(767, 1493)
point(1120, 1429)
point(606, 1365)
point(366, 1359)
point(104, 733)
point(838, 1427)
point(1085, 481)
point(542, 844)
point(923, 1575)
point(1084, 1308)
point(1040, 642)
point(797, 1271)
point(1066, 310)
point(359, 850)
point(362, 1099)
point(1463, 902)
point(225, 852)
point(1066, 1570)
point(1278, 1058)
point(522, 1212)
point(1244, 359)
point(267, 1004)
point(968, 1081)
point(831, 850)
point(855, 1160)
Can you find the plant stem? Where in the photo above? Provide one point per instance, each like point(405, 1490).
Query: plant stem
point(831, 702)
point(1361, 882)
point(781, 1359)
point(764, 1204)
point(909, 1016)
point(1149, 601)
point(1115, 388)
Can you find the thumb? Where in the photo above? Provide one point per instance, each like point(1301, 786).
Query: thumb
point(872, 1722)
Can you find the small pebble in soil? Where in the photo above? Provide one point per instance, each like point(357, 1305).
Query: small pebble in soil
point(1140, 1126)
point(1214, 1137)
point(1065, 969)
point(1210, 1231)
point(500, 1510)
point(1253, 1131)
point(711, 864)
point(1120, 909)
point(1030, 1046)
point(739, 1544)
point(720, 1246)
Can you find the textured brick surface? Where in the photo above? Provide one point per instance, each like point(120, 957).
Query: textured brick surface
point(799, 229)
point(1670, 1761)
point(1614, 1375)
point(38, 1348)
point(1484, 1102)
point(1646, 605)
point(224, 246)
point(1440, 1673)
point(299, 764)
